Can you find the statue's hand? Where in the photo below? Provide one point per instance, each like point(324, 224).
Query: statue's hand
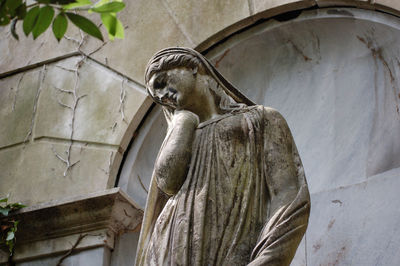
point(172, 163)
point(185, 117)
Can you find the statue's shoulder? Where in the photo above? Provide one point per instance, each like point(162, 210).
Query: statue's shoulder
point(272, 116)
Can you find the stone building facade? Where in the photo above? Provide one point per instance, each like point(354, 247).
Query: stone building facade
point(78, 134)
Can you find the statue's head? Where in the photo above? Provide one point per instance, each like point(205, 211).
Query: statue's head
point(176, 76)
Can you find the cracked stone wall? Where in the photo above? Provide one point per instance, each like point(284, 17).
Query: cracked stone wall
point(63, 128)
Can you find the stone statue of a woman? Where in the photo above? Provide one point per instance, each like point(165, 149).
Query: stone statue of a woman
point(228, 186)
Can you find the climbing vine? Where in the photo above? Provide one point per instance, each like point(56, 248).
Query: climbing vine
point(8, 227)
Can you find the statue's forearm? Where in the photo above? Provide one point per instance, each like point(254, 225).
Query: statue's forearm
point(173, 161)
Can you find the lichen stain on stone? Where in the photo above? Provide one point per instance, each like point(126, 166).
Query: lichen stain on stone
point(331, 223)
point(317, 246)
point(377, 54)
point(221, 57)
point(299, 51)
point(337, 201)
point(339, 256)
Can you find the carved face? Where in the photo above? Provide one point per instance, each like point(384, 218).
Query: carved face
point(175, 88)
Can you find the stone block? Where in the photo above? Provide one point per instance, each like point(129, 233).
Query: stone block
point(89, 257)
point(200, 20)
point(17, 101)
point(33, 173)
point(98, 104)
point(148, 28)
point(356, 225)
point(17, 54)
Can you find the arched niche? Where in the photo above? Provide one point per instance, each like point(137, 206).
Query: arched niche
point(333, 74)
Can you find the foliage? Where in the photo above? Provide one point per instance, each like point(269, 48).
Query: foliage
point(8, 227)
point(38, 15)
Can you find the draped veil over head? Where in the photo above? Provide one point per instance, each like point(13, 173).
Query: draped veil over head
point(229, 98)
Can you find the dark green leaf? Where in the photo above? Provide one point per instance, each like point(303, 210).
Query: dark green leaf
point(10, 236)
point(112, 7)
point(60, 25)
point(44, 19)
point(30, 20)
point(4, 211)
point(13, 4)
point(13, 32)
point(4, 18)
point(85, 25)
point(4, 199)
point(21, 11)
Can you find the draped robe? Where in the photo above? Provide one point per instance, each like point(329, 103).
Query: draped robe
point(244, 200)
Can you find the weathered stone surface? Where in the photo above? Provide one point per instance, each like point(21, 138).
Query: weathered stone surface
point(125, 249)
point(356, 225)
point(32, 173)
point(278, 6)
point(17, 100)
point(149, 28)
point(90, 257)
point(100, 103)
point(139, 163)
point(16, 54)
point(202, 19)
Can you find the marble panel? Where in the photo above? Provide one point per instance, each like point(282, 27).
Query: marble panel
point(18, 96)
point(34, 173)
point(334, 81)
point(139, 163)
point(356, 225)
point(98, 104)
